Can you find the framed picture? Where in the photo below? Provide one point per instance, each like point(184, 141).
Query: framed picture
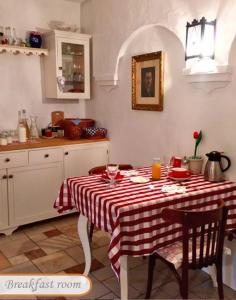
point(147, 81)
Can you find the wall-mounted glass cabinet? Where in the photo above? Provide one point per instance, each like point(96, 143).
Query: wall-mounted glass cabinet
point(67, 67)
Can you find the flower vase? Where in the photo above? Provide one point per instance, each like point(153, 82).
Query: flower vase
point(195, 165)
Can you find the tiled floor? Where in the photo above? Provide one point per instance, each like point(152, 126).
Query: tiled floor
point(53, 247)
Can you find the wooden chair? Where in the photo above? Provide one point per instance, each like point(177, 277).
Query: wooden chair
point(201, 245)
point(99, 170)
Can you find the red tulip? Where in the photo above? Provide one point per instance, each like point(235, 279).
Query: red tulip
point(195, 135)
point(198, 137)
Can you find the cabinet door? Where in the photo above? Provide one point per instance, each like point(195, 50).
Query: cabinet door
point(78, 161)
point(73, 68)
point(3, 200)
point(32, 192)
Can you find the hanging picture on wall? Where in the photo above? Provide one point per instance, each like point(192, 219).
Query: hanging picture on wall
point(147, 81)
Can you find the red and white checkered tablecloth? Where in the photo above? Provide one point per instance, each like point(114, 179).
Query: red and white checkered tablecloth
point(130, 212)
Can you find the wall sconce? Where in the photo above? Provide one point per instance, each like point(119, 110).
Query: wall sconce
point(200, 39)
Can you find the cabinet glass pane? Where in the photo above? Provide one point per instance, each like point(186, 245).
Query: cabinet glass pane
point(73, 67)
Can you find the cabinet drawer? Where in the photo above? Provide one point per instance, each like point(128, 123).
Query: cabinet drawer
point(13, 159)
point(45, 156)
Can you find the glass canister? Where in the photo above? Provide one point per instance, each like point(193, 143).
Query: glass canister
point(34, 133)
point(156, 168)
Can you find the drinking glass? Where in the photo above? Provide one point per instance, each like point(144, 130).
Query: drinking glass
point(112, 171)
point(167, 164)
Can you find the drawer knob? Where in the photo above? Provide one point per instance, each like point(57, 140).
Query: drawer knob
point(66, 153)
point(10, 176)
point(4, 177)
point(46, 155)
point(7, 159)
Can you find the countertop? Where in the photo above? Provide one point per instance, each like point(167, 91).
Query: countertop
point(41, 143)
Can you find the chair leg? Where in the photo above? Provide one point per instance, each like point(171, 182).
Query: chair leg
point(91, 231)
point(184, 284)
point(151, 265)
point(219, 281)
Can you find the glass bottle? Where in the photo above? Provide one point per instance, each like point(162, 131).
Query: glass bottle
point(8, 35)
point(34, 133)
point(24, 121)
point(156, 169)
point(21, 130)
point(1, 35)
point(13, 35)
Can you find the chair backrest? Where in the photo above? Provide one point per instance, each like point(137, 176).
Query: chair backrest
point(101, 169)
point(202, 234)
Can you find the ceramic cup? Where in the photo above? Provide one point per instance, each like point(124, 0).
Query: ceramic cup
point(176, 162)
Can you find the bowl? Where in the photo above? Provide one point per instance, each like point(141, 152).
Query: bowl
point(179, 173)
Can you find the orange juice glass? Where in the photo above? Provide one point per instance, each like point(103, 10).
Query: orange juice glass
point(156, 169)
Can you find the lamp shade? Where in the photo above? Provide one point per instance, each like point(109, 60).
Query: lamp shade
point(200, 39)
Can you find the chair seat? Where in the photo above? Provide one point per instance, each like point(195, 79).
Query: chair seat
point(174, 253)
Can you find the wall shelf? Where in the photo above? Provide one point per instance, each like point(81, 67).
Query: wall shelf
point(210, 81)
point(23, 50)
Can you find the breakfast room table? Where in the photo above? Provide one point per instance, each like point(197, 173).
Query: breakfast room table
point(131, 212)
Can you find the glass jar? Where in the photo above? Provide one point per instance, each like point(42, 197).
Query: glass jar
point(3, 138)
point(156, 169)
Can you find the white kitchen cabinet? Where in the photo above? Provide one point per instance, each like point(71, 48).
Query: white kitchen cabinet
point(80, 159)
point(67, 67)
point(30, 179)
point(32, 191)
point(3, 200)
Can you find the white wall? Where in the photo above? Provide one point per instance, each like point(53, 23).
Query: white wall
point(137, 136)
point(20, 76)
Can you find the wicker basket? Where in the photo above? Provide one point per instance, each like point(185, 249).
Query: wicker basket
point(73, 131)
point(94, 133)
point(83, 123)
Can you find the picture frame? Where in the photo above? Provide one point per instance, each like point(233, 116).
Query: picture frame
point(147, 81)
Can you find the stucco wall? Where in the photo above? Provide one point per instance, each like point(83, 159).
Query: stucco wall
point(137, 136)
point(20, 75)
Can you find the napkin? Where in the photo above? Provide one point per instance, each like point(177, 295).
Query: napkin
point(128, 173)
point(173, 188)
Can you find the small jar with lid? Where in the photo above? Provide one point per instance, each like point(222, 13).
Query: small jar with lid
point(3, 138)
point(156, 168)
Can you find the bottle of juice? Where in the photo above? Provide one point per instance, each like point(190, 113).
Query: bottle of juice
point(156, 169)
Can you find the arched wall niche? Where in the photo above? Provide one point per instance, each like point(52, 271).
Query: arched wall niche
point(111, 81)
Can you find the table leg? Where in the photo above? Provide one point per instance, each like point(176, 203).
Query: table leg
point(84, 238)
point(123, 277)
point(212, 273)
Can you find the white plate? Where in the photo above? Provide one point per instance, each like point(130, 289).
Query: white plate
point(139, 179)
point(179, 179)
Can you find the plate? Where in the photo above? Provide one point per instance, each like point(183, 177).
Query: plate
point(139, 179)
point(178, 178)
